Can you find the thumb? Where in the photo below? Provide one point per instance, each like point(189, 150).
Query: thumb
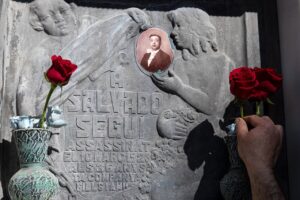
point(171, 73)
point(241, 127)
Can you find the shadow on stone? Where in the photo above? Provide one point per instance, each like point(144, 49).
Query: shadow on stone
point(9, 164)
point(203, 146)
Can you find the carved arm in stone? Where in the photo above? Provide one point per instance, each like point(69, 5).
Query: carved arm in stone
point(195, 97)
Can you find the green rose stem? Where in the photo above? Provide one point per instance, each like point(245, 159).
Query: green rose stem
point(53, 86)
point(257, 108)
point(242, 110)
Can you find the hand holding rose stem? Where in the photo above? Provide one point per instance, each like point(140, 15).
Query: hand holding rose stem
point(259, 146)
point(58, 74)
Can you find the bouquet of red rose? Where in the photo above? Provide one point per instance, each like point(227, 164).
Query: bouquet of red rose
point(253, 84)
point(58, 74)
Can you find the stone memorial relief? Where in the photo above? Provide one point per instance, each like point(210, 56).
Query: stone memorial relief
point(135, 132)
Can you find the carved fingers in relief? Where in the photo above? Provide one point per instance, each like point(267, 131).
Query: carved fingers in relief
point(169, 83)
point(175, 124)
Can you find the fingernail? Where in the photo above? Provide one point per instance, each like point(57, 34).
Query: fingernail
point(237, 120)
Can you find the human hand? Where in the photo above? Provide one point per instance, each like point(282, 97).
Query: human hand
point(260, 146)
point(170, 83)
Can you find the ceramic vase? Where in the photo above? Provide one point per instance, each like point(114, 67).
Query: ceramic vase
point(33, 181)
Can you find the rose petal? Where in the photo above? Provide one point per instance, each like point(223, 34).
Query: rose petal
point(242, 82)
point(60, 71)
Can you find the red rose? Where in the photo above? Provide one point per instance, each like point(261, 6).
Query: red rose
point(242, 82)
point(60, 71)
point(269, 81)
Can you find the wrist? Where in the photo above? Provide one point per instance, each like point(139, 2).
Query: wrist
point(264, 184)
point(180, 89)
point(260, 172)
point(256, 165)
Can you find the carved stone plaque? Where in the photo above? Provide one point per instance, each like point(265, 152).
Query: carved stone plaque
point(132, 133)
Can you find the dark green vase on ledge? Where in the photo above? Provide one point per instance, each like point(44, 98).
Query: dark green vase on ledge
point(235, 184)
point(33, 181)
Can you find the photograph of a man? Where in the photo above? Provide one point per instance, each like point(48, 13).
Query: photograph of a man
point(153, 51)
point(155, 59)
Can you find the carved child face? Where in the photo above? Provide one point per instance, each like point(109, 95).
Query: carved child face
point(55, 16)
point(180, 34)
point(155, 42)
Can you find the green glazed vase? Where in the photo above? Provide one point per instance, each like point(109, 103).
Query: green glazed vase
point(33, 181)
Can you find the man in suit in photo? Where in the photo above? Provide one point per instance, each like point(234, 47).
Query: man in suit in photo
point(155, 59)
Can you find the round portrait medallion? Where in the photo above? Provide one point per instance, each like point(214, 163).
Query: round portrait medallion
point(153, 51)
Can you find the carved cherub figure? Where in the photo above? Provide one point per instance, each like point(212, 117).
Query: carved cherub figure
point(55, 17)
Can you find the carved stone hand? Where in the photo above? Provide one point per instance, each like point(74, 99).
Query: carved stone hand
point(140, 17)
point(170, 125)
point(170, 83)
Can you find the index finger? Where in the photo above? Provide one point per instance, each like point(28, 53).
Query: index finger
point(241, 127)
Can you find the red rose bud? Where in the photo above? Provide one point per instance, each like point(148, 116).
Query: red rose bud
point(258, 95)
point(242, 82)
point(58, 74)
point(254, 83)
point(60, 71)
point(269, 80)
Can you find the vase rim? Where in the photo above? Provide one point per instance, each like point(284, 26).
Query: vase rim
point(30, 129)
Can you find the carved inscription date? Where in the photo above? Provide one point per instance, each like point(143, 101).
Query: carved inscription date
point(107, 150)
point(107, 165)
